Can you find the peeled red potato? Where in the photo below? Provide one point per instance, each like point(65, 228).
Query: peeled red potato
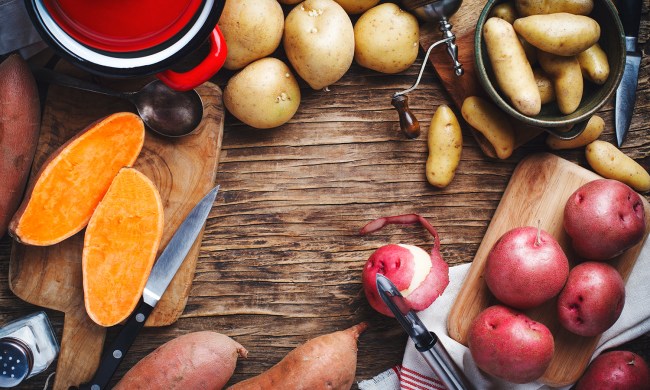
point(592, 299)
point(604, 218)
point(319, 41)
point(386, 39)
point(252, 30)
point(509, 345)
point(421, 277)
point(264, 94)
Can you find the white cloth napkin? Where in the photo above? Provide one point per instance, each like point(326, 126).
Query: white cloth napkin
point(16, 30)
point(414, 373)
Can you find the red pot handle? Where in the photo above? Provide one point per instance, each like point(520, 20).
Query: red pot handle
point(203, 71)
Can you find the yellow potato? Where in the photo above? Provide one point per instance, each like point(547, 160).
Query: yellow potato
point(505, 11)
point(608, 161)
point(594, 64)
point(386, 39)
point(252, 30)
point(512, 70)
point(538, 7)
point(319, 41)
point(290, 2)
point(530, 50)
point(561, 33)
point(264, 94)
point(445, 146)
point(486, 118)
point(545, 86)
point(592, 131)
point(357, 6)
point(567, 79)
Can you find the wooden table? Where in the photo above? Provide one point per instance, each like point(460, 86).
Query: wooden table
point(281, 257)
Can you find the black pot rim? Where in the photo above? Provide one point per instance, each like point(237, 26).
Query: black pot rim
point(169, 52)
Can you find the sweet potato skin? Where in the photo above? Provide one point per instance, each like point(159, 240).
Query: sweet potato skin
point(200, 360)
point(20, 118)
point(325, 362)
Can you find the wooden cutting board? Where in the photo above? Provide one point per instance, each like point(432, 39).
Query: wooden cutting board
point(183, 170)
point(460, 87)
point(538, 190)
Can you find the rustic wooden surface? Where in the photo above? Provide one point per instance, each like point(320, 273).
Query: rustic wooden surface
point(281, 259)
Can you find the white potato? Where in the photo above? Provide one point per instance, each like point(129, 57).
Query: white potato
point(357, 6)
point(252, 30)
point(264, 94)
point(319, 41)
point(386, 39)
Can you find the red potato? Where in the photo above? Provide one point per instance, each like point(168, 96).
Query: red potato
point(20, 118)
point(325, 362)
point(199, 360)
point(420, 277)
point(526, 267)
point(616, 370)
point(592, 299)
point(604, 218)
point(509, 345)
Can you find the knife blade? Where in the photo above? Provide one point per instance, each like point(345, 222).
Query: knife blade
point(426, 342)
point(630, 14)
point(161, 275)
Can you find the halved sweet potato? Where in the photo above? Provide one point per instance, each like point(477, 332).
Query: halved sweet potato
point(120, 247)
point(74, 179)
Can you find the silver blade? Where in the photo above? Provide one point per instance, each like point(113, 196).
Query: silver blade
point(626, 96)
point(174, 254)
point(403, 313)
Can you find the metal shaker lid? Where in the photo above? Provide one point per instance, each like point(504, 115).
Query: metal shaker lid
point(16, 361)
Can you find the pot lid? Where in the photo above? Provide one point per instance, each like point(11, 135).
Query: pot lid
point(123, 25)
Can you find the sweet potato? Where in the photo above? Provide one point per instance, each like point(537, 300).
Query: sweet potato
point(199, 360)
point(120, 247)
point(20, 118)
point(325, 362)
point(74, 179)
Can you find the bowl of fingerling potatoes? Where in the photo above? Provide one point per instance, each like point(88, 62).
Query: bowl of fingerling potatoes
point(550, 63)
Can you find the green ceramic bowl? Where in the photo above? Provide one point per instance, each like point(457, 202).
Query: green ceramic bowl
point(612, 40)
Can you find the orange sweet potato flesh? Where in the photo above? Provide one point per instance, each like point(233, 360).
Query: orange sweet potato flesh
point(325, 362)
point(120, 246)
point(200, 360)
point(60, 202)
point(20, 115)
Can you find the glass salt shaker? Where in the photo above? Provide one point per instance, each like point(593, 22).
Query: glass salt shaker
point(27, 348)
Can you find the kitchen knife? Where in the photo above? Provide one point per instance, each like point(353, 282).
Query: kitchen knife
point(427, 343)
point(161, 275)
point(630, 14)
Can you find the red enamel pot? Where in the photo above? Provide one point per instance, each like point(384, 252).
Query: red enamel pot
point(128, 38)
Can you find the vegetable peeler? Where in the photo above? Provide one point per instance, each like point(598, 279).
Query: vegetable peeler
point(427, 343)
point(430, 11)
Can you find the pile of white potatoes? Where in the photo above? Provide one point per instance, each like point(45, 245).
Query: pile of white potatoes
point(320, 43)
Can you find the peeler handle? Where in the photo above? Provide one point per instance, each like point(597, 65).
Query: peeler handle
point(407, 121)
point(440, 362)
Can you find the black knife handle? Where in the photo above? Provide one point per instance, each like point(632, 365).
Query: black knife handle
point(630, 13)
point(113, 356)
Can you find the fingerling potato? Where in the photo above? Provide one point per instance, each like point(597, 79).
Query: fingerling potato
point(567, 79)
point(492, 123)
point(592, 131)
point(445, 146)
point(505, 11)
point(608, 161)
point(563, 34)
point(512, 70)
point(538, 7)
point(594, 64)
point(544, 85)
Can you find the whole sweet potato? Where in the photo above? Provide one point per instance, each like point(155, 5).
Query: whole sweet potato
point(199, 360)
point(325, 362)
point(20, 118)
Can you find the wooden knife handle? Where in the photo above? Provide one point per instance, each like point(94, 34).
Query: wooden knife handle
point(407, 121)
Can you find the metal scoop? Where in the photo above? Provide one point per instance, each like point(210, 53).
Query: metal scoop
point(430, 11)
point(165, 111)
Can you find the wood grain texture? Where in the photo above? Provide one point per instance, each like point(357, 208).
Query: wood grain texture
point(281, 259)
point(183, 170)
point(537, 191)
